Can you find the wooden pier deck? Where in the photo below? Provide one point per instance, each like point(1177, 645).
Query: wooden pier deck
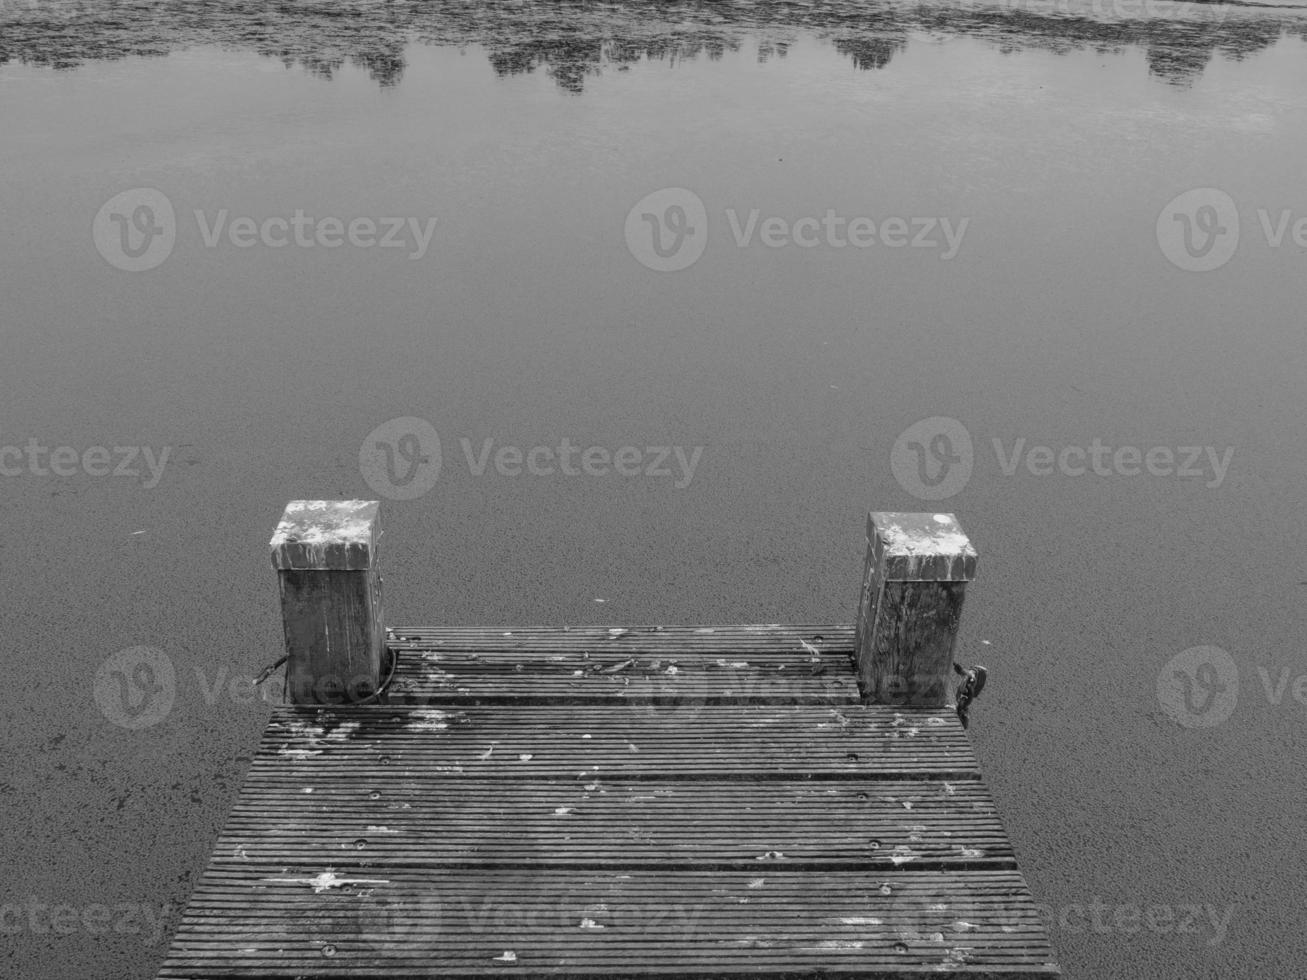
point(641, 801)
point(645, 801)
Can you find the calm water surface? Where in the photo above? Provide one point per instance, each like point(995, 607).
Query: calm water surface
point(1048, 138)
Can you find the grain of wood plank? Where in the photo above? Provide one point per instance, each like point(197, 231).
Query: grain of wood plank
point(529, 741)
point(675, 639)
point(813, 825)
point(699, 665)
point(695, 802)
point(398, 922)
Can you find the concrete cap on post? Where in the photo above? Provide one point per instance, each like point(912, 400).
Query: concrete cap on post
point(920, 547)
point(913, 585)
point(325, 554)
point(327, 534)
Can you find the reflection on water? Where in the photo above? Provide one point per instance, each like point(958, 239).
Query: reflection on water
point(573, 39)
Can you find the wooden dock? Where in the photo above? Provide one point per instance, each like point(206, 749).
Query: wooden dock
point(626, 801)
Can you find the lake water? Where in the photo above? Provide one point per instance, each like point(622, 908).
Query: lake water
point(774, 265)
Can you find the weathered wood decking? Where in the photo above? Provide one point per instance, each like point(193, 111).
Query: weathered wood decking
point(669, 801)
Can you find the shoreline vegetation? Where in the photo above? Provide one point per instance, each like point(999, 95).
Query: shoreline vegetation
point(572, 40)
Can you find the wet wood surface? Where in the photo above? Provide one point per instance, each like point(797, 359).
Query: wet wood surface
point(541, 822)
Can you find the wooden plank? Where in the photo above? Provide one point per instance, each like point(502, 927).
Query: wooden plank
point(626, 665)
point(682, 639)
point(526, 742)
point(605, 665)
point(741, 815)
point(813, 825)
point(613, 678)
point(272, 920)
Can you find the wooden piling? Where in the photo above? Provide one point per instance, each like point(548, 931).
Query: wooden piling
point(325, 553)
point(913, 584)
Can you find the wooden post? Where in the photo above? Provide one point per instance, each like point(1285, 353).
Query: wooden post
point(325, 553)
point(913, 584)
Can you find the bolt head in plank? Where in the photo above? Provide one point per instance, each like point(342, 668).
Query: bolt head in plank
point(325, 553)
point(913, 585)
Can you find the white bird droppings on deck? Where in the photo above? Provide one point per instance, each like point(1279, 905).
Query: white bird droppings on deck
point(328, 879)
point(343, 731)
point(902, 854)
point(429, 720)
